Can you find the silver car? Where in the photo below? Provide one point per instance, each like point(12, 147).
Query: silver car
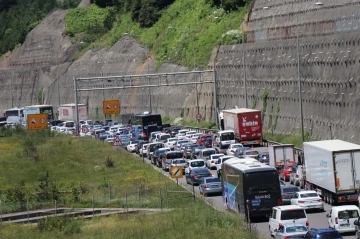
point(210, 185)
point(291, 230)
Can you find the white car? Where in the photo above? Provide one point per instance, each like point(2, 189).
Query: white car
point(212, 160)
point(308, 200)
point(143, 150)
point(110, 138)
point(181, 132)
point(196, 163)
point(194, 138)
point(189, 134)
point(286, 214)
point(342, 218)
point(232, 148)
point(69, 130)
point(170, 142)
point(179, 143)
point(132, 146)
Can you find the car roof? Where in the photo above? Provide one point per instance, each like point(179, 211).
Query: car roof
point(217, 155)
point(308, 191)
point(288, 207)
point(323, 229)
point(210, 178)
point(290, 224)
point(195, 160)
point(291, 186)
point(344, 207)
point(208, 149)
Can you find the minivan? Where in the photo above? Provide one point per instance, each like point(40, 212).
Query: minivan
point(342, 218)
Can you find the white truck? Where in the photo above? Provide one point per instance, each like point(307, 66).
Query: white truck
point(67, 112)
point(279, 155)
point(332, 168)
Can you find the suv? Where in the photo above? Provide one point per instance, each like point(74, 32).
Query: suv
point(152, 147)
point(153, 135)
point(323, 233)
point(167, 158)
point(286, 214)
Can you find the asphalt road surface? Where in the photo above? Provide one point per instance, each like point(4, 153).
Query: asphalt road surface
point(316, 219)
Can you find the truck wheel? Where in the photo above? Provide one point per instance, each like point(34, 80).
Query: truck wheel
point(326, 197)
point(331, 200)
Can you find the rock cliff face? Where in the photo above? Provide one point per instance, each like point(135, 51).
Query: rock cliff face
point(329, 40)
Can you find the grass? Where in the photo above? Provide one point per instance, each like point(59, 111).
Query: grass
point(197, 29)
point(288, 139)
point(194, 221)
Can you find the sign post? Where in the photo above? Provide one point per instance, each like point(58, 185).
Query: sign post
point(37, 121)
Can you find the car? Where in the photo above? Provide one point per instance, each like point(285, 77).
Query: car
point(131, 147)
point(291, 230)
point(195, 163)
point(194, 138)
point(167, 157)
point(212, 160)
point(188, 149)
point(208, 143)
point(322, 233)
point(196, 174)
point(174, 131)
point(240, 152)
point(156, 158)
point(222, 149)
point(189, 134)
point(162, 137)
point(342, 218)
point(285, 171)
point(296, 176)
point(282, 183)
point(143, 150)
point(308, 200)
point(210, 185)
point(286, 214)
point(205, 153)
point(263, 157)
point(251, 153)
point(195, 151)
point(287, 192)
point(219, 162)
point(109, 138)
point(182, 132)
point(232, 148)
point(152, 135)
point(357, 228)
point(178, 162)
point(152, 147)
point(202, 138)
point(170, 142)
point(179, 143)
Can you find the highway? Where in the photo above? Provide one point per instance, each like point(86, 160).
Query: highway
point(316, 219)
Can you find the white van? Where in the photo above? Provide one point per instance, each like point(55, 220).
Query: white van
point(286, 214)
point(342, 218)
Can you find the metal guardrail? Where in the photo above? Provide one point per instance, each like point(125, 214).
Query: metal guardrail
point(266, 143)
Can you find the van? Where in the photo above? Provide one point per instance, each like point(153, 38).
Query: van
point(342, 218)
point(162, 137)
point(286, 214)
point(296, 176)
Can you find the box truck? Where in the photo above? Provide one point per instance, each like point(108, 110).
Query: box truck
point(332, 168)
point(279, 155)
point(246, 124)
point(67, 112)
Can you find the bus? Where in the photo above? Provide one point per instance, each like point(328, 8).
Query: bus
point(15, 116)
point(40, 109)
point(148, 122)
point(248, 184)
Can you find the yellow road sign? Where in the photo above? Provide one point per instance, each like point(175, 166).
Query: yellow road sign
point(111, 107)
point(176, 171)
point(37, 121)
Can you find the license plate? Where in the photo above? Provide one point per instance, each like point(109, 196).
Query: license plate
point(345, 225)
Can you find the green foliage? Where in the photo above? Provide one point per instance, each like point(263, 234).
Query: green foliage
point(254, 103)
point(264, 97)
point(66, 224)
point(182, 113)
point(229, 5)
point(270, 116)
point(47, 190)
point(201, 124)
point(276, 117)
point(17, 194)
point(166, 119)
point(40, 96)
point(109, 162)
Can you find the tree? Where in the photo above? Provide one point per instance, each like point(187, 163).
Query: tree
point(7, 4)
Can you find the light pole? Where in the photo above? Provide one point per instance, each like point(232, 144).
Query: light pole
point(194, 56)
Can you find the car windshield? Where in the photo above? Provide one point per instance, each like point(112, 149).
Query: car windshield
point(164, 137)
point(216, 156)
point(227, 136)
point(346, 214)
point(172, 140)
point(155, 146)
point(175, 155)
point(296, 229)
point(179, 161)
point(251, 153)
point(308, 195)
point(237, 146)
point(212, 180)
point(197, 149)
point(329, 235)
point(201, 171)
point(197, 164)
point(290, 189)
point(293, 214)
point(208, 152)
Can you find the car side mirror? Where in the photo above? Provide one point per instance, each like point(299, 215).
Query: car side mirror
point(328, 215)
point(356, 223)
point(275, 230)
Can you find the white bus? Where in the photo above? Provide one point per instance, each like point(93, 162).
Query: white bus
point(15, 116)
point(39, 109)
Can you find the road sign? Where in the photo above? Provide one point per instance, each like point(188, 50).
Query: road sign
point(198, 116)
point(37, 121)
point(176, 171)
point(111, 107)
point(85, 129)
point(117, 141)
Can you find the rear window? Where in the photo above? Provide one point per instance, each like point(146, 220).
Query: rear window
point(346, 214)
point(252, 153)
point(174, 155)
point(197, 164)
point(296, 229)
point(155, 146)
point(213, 180)
point(164, 137)
point(217, 156)
point(290, 190)
point(209, 152)
point(179, 161)
point(329, 235)
point(308, 195)
point(293, 214)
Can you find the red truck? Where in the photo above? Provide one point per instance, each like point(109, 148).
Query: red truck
point(246, 124)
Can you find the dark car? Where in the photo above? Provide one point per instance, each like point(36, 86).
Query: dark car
point(196, 174)
point(287, 192)
point(174, 131)
point(222, 149)
point(156, 157)
point(323, 233)
point(263, 157)
point(195, 151)
point(166, 159)
point(188, 150)
point(207, 143)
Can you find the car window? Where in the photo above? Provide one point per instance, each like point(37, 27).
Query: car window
point(296, 229)
point(346, 214)
point(290, 189)
point(308, 195)
point(293, 214)
point(213, 180)
point(179, 161)
point(328, 235)
point(174, 155)
point(274, 213)
point(197, 164)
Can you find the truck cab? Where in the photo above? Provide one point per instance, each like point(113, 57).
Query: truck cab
point(223, 137)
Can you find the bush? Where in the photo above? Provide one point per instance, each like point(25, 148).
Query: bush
point(67, 224)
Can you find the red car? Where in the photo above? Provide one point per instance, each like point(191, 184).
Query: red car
point(286, 171)
point(202, 139)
